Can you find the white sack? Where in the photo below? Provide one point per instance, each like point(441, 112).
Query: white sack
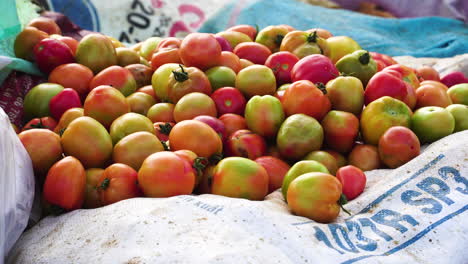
point(16, 186)
point(413, 214)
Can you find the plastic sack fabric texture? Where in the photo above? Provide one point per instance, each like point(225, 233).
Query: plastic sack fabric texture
point(413, 214)
point(16, 186)
point(418, 37)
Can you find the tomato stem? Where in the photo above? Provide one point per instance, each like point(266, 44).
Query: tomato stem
point(215, 158)
point(165, 128)
point(364, 58)
point(278, 39)
point(105, 184)
point(165, 146)
point(343, 200)
point(200, 164)
point(181, 76)
point(322, 87)
point(312, 37)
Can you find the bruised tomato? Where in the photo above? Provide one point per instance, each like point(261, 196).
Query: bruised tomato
point(65, 184)
point(165, 174)
point(118, 182)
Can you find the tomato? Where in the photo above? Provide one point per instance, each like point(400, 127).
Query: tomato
point(197, 137)
point(171, 42)
point(165, 174)
point(427, 73)
point(225, 45)
point(323, 33)
point(187, 80)
point(325, 158)
point(302, 44)
point(299, 168)
point(140, 102)
point(234, 37)
point(105, 104)
point(240, 178)
point(45, 24)
point(72, 75)
point(192, 105)
point(397, 146)
point(162, 130)
point(142, 75)
point(87, 140)
point(148, 89)
point(245, 63)
point(315, 68)
point(61, 102)
point(160, 78)
point(382, 60)
point(149, 46)
point(117, 77)
point(43, 147)
point(67, 118)
point(133, 149)
point(353, 181)
point(252, 51)
point(454, 78)
point(36, 101)
point(246, 29)
point(386, 83)
point(233, 122)
point(229, 100)
point(163, 56)
point(198, 164)
point(69, 41)
point(276, 170)
point(256, 80)
point(346, 93)
point(216, 124)
point(161, 112)
point(281, 63)
point(340, 159)
point(43, 122)
point(432, 95)
point(118, 182)
point(230, 60)
point(245, 143)
point(272, 36)
point(25, 42)
point(315, 195)
point(221, 76)
point(65, 184)
point(304, 97)
point(365, 157)
point(126, 56)
point(358, 64)
point(200, 50)
point(264, 115)
point(92, 199)
point(50, 53)
point(129, 123)
point(340, 129)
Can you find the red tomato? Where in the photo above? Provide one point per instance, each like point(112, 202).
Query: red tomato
point(353, 181)
point(43, 122)
point(315, 68)
point(216, 124)
point(50, 53)
point(165, 174)
point(170, 42)
point(252, 51)
point(200, 50)
point(163, 56)
point(229, 100)
point(276, 170)
point(70, 42)
point(66, 99)
point(118, 182)
point(282, 64)
point(72, 75)
point(233, 122)
point(162, 130)
point(245, 143)
point(187, 80)
point(304, 97)
point(225, 45)
point(65, 184)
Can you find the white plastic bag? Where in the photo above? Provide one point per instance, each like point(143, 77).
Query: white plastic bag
point(414, 214)
point(16, 186)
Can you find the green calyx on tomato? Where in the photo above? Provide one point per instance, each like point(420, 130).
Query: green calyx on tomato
point(215, 158)
point(278, 39)
point(165, 146)
point(199, 164)
point(342, 201)
point(364, 59)
point(322, 87)
point(105, 184)
point(165, 128)
point(181, 76)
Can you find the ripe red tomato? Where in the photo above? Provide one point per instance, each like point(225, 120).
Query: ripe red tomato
point(165, 174)
point(66, 99)
point(245, 143)
point(252, 51)
point(230, 60)
point(281, 63)
point(50, 53)
point(118, 182)
point(276, 170)
point(65, 184)
point(233, 122)
point(200, 50)
point(43, 122)
point(229, 100)
point(315, 68)
point(305, 98)
point(353, 181)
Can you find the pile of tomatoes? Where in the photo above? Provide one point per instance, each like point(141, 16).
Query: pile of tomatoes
point(240, 113)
